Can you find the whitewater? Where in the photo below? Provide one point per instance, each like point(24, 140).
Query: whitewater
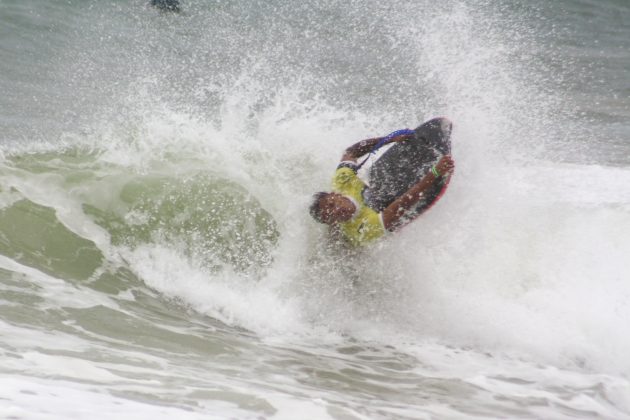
point(157, 258)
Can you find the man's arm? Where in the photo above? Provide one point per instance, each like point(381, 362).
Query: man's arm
point(357, 150)
point(397, 209)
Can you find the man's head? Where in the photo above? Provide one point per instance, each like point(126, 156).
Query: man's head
point(331, 208)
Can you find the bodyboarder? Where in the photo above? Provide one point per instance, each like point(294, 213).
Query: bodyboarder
point(410, 181)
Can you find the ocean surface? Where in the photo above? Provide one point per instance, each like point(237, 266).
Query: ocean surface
point(157, 259)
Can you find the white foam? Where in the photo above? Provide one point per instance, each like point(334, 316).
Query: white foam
point(57, 292)
point(225, 295)
point(525, 257)
point(521, 258)
point(43, 399)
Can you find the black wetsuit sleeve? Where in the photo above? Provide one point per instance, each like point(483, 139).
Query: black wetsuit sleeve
point(348, 164)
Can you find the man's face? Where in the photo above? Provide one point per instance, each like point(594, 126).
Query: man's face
point(336, 208)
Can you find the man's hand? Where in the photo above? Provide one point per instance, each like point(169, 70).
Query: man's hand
point(402, 138)
point(445, 166)
point(359, 149)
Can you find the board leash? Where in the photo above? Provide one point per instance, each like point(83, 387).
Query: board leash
point(384, 141)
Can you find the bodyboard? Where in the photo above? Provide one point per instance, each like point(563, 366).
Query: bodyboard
point(405, 163)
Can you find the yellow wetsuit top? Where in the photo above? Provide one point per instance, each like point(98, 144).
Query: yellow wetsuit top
point(366, 224)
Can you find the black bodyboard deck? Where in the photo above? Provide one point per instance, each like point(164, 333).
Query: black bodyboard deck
point(405, 163)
